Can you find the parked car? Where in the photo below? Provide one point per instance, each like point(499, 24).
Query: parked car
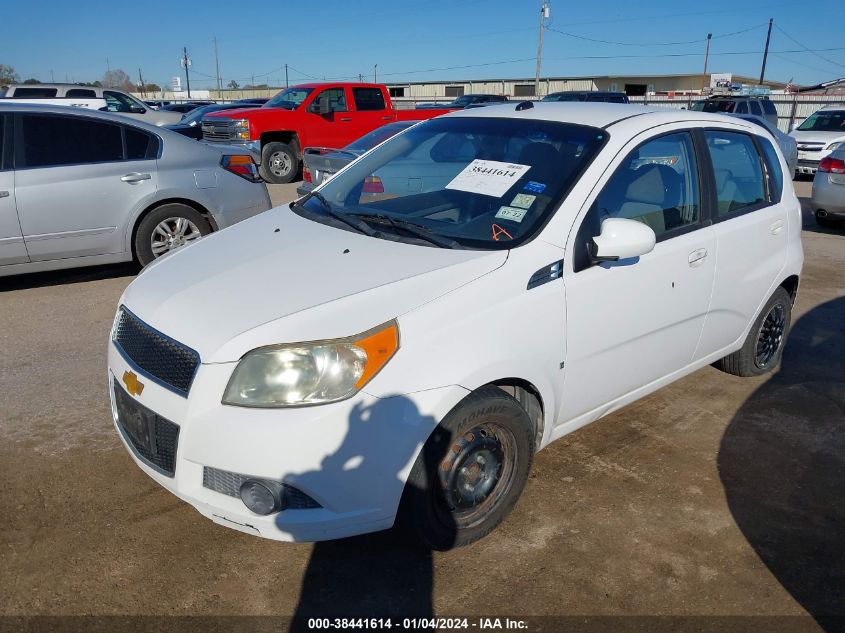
point(787, 144)
point(820, 134)
point(321, 163)
point(464, 101)
point(587, 95)
point(88, 187)
point(364, 353)
point(828, 199)
point(190, 125)
point(186, 106)
point(734, 104)
point(307, 115)
point(115, 100)
point(156, 104)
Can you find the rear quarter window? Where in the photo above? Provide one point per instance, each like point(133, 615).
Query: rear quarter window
point(35, 93)
point(64, 140)
point(774, 172)
point(368, 99)
point(768, 107)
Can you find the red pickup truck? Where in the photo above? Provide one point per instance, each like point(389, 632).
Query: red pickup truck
point(307, 115)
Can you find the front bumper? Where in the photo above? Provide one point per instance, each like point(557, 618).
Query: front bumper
point(352, 457)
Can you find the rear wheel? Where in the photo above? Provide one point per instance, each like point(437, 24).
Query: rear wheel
point(167, 228)
point(279, 163)
point(470, 472)
point(764, 344)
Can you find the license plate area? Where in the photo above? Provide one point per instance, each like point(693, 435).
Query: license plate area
point(152, 438)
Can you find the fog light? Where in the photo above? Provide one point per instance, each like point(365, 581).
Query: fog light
point(262, 497)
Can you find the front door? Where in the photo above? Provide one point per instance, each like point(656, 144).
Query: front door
point(75, 192)
point(632, 322)
point(330, 122)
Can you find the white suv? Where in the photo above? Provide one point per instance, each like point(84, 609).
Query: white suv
point(403, 339)
point(820, 134)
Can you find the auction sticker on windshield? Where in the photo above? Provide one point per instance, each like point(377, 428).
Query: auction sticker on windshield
point(488, 177)
point(511, 213)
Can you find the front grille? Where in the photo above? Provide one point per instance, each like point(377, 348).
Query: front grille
point(803, 162)
point(216, 130)
point(172, 364)
point(810, 147)
point(153, 438)
point(229, 483)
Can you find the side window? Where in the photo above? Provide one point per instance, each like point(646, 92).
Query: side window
point(2, 144)
point(769, 107)
point(656, 184)
point(119, 102)
point(738, 171)
point(755, 108)
point(335, 97)
point(64, 140)
point(741, 108)
point(140, 145)
point(81, 92)
point(368, 99)
point(773, 169)
point(35, 93)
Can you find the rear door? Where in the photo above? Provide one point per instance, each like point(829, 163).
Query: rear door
point(12, 248)
point(750, 221)
point(78, 180)
point(370, 111)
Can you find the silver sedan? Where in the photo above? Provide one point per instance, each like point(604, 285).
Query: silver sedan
point(79, 187)
point(828, 200)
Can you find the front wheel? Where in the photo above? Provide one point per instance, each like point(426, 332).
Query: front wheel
point(764, 344)
point(279, 163)
point(470, 472)
point(167, 228)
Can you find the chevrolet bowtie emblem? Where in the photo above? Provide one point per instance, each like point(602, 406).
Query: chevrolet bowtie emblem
point(133, 385)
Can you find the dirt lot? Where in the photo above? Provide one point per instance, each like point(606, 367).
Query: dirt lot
point(715, 496)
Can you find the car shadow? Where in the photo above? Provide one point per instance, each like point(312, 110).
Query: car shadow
point(387, 574)
point(68, 276)
point(782, 464)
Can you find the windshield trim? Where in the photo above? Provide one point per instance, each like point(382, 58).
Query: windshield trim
point(484, 245)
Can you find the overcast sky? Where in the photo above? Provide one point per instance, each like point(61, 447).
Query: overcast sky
point(416, 40)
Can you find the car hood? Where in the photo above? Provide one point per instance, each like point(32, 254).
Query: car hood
point(802, 136)
point(251, 113)
point(279, 277)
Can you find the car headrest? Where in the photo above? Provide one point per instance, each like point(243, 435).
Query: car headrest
point(655, 184)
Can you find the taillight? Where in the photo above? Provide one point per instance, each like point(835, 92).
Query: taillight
point(373, 184)
point(832, 165)
point(306, 175)
point(242, 165)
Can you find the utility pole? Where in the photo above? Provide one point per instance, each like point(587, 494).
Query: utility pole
point(108, 66)
point(706, 58)
point(544, 14)
point(360, 78)
point(52, 78)
point(217, 66)
point(141, 86)
point(375, 74)
point(186, 62)
point(766, 52)
point(286, 76)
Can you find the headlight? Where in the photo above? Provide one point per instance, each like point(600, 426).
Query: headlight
point(836, 145)
point(311, 373)
point(241, 129)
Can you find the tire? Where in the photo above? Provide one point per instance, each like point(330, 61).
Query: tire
point(185, 225)
point(279, 163)
point(758, 356)
point(483, 447)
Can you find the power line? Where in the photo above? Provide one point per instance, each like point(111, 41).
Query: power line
point(830, 61)
point(646, 44)
point(683, 15)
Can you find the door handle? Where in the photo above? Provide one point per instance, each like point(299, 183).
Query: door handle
point(345, 118)
point(4, 194)
point(387, 118)
point(696, 258)
point(135, 178)
point(776, 227)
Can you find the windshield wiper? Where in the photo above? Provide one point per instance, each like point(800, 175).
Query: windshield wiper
point(358, 225)
point(418, 230)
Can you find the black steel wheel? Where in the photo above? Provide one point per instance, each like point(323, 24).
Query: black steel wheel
point(471, 471)
point(770, 336)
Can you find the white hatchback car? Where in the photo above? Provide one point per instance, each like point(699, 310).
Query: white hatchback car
point(401, 341)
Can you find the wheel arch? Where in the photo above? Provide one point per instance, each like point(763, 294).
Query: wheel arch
point(160, 203)
point(283, 136)
point(790, 284)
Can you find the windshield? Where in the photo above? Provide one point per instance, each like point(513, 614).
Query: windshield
point(488, 183)
point(714, 105)
point(289, 98)
point(564, 97)
point(121, 102)
point(369, 141)
point(830, 121)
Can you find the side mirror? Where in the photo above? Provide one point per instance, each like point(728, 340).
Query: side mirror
point(319, 106)
point(137, 109)
point(621, 238)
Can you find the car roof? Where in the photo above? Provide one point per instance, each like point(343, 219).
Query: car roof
point(595, 114)
point(37, 108)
